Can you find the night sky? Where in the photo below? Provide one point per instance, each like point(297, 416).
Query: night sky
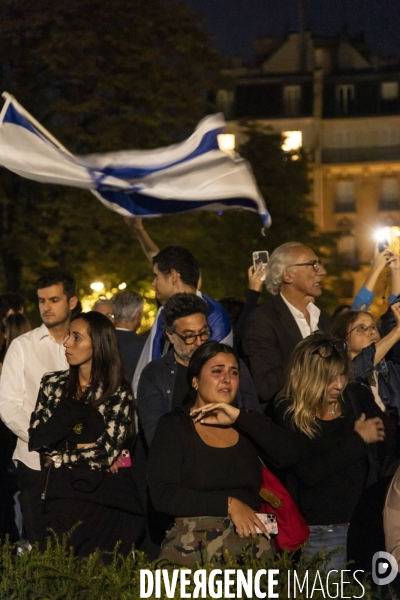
point(234, 24)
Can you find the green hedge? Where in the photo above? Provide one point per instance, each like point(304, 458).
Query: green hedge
point(57, 575)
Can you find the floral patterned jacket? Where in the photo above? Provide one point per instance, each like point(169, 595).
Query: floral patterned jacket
point(115, 412)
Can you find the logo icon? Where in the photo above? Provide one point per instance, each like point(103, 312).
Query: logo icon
point(384, 568)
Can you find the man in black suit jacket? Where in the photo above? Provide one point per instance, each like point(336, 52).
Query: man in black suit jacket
point(273, 329)
point(127, 309)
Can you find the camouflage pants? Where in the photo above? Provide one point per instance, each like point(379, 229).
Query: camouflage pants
point(203, 539)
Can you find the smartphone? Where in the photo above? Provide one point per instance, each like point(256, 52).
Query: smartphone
point(382, 244)
point(125, 459)
point(269, 520)
point(260, 256)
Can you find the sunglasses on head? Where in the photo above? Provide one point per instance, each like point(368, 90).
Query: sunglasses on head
point(326, 349)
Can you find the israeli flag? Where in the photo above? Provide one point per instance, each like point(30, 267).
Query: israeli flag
point(189, 176)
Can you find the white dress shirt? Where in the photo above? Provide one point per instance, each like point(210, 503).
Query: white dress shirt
point(28, 358)
point(300, 318)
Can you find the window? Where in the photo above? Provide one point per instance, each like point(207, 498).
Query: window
point(344, 139)
point(389, 197)
point(292, 100)
point(345, 197)
point(388, 136)
point(345, 98)
point(346, 248)
point(389, 90)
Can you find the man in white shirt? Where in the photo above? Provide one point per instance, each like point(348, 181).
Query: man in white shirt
point(273, 329)
point(28, 358)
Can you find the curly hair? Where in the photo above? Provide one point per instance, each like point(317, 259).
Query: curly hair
point(181, 305)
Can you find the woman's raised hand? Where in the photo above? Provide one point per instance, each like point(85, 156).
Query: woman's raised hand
point(371, 430)
point(216, 414)
point(245, 519)
point(396, 311)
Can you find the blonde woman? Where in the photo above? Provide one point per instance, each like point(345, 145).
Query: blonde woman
point(333, 431)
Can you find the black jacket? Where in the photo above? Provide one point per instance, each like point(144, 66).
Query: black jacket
point(271, 334)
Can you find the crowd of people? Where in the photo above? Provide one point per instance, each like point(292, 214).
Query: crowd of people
point(159, 442)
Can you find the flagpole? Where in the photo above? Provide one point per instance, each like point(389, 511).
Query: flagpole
point(35, 123)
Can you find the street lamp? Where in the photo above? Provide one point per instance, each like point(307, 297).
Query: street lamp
point(226, 142)
point(97, 286)
point(292, 143)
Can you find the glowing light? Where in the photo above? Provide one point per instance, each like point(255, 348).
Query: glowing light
point(380, 235)
point(226, 142)
point(97, 286)
point(122, 286)
point(389, 235)
point(292, 140)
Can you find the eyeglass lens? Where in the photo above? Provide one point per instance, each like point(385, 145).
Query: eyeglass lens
point(365, 328)
point(190, 339)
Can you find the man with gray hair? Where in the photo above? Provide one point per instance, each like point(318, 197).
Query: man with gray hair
point(273, 329)
point(104, 307)
point(127, 308)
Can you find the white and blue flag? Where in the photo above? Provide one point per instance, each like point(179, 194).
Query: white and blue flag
point(189, 176)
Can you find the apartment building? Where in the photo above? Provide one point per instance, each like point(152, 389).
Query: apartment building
point(341, 102)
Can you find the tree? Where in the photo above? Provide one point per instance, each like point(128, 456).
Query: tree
point(284, 183)
point(104, 76)
point(101, 76)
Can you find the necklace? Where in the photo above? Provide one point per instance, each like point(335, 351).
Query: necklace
point(82, 389)
point(333, 409)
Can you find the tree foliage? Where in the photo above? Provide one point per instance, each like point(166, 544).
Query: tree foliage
point(101, 76)
point(284, 183)
point(107, 76)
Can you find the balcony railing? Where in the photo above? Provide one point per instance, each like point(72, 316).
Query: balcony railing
point(392, 204)
point(368, 154)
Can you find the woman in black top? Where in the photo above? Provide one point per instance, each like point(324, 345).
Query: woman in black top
point(333, 433)
point(79, 426)
point(208, 478)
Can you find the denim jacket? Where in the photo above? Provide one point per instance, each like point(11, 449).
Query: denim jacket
point(388, 375)
point(156, 389)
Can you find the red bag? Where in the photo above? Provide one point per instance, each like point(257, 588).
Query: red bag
point(293, 531)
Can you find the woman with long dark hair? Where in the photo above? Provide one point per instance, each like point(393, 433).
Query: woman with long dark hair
point(79, 426)
point(208, 477)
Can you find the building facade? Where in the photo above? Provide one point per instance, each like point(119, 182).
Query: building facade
point(342, 103)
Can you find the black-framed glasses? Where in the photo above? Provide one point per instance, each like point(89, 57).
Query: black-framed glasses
point(316, 264)
point(362, 328)
point(326, 349)
point(190, 338)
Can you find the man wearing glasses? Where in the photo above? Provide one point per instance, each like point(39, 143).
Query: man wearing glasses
point(162, 385)
point(273, 329)
point(175, 271)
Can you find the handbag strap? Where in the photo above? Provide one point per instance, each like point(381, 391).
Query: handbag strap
point(268, 495)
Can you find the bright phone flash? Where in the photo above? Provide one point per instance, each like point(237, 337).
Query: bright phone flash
point(380, 235)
